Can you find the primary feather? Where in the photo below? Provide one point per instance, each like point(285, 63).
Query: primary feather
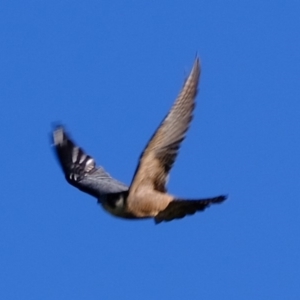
point(80, 168)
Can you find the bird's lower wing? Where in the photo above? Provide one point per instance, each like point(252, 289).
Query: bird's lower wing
point(178, 209)
point(80, 168)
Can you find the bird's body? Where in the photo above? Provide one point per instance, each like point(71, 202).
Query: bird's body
point(147, 195)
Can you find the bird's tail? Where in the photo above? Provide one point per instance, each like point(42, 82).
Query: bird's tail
point(179, 208)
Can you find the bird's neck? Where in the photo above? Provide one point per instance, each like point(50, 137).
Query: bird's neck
point(115, 203)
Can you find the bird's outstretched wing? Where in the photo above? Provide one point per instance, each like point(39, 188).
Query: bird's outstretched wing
point(80, 168)
point(178, 209)
point(160, 153)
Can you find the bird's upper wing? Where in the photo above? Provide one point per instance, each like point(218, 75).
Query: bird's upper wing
point(160, 153)
point(178, 209)
point(80, 169)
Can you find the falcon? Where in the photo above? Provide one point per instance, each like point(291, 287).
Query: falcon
point(147, 195)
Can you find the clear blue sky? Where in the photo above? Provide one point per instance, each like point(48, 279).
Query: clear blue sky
point(110, 72)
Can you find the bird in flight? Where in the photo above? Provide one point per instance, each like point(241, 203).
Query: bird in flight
point(147, 196)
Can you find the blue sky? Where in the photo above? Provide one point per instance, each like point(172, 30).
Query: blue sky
point(110, 72)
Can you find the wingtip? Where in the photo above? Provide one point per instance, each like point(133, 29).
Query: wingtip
point(194, 75)
point(197, 65)
point(58, 134)
point(57, 125)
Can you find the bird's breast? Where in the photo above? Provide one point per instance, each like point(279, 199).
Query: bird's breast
point(145, 203)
